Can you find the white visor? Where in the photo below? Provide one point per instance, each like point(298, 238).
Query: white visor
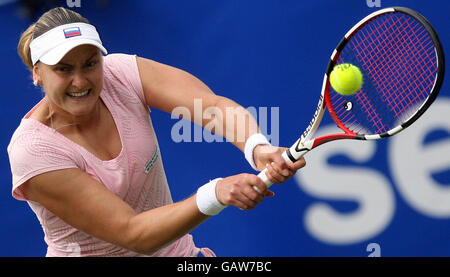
point(53, 45)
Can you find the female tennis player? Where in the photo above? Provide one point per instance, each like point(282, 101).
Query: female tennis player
point(86, 157)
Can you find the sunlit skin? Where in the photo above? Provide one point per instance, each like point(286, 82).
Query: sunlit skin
point(80, 70)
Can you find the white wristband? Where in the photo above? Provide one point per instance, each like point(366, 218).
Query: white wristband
point(206, 199)
point(253, 141)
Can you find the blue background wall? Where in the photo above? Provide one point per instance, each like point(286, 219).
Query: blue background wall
point(393, 192)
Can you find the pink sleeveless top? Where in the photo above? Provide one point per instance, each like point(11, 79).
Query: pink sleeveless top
point(136, 175)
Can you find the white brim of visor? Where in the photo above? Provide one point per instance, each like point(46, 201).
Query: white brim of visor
point(52, 46)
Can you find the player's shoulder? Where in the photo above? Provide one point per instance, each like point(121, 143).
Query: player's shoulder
point(27, 135)
point(117, 60)
point(34, 135)
point(40, 113)
point(118, 68)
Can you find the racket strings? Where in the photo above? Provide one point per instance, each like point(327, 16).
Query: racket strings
point(392, 67)
point(397, 101)
point(397, 57)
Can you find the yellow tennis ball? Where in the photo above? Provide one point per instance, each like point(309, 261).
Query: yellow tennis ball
point(346, 79)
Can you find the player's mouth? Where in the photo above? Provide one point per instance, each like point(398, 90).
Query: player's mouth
point(79, 94)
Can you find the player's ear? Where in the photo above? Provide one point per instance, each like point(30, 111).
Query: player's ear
point(36, 76)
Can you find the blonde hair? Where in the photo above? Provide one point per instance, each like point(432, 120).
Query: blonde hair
point(49, 20)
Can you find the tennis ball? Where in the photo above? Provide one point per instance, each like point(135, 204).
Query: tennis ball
point(346, 79)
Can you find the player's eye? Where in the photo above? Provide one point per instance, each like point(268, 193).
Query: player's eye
point(91, 64)
point(62, 69)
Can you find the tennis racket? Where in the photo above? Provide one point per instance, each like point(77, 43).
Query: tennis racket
point(402, 62)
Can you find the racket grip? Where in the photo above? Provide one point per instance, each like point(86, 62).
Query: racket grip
point(262, 175)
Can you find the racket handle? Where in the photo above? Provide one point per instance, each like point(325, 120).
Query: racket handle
point(294, 154)
point(262, 175)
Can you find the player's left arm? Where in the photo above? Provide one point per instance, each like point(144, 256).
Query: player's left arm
point(167, 88)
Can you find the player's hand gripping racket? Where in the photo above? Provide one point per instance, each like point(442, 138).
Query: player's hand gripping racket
point(402, 62)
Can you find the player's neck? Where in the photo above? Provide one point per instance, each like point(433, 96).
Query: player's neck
point(59, 119)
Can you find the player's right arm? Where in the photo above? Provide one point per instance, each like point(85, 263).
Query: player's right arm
point(89, 206)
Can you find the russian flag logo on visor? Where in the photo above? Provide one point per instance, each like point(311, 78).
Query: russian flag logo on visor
point(72, 32)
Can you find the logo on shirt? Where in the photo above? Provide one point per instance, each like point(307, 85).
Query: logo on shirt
point(72, 32)
point(152, 161)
